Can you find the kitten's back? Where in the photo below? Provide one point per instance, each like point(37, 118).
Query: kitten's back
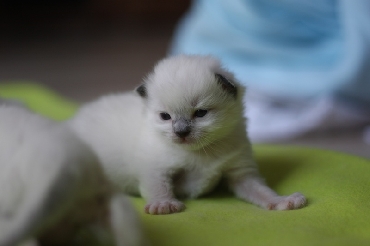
point(112, 126)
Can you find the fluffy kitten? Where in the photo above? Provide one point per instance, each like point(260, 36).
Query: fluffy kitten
point(52, 187)
point(177, 136)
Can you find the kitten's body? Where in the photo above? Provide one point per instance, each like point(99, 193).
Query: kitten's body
point(51, 185)
point(130, 149)
point(179, 138)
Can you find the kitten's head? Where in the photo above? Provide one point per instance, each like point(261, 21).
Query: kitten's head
point(191, 100)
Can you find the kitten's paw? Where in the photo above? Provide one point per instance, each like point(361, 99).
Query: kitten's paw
point(164, 207)
point(294, 201)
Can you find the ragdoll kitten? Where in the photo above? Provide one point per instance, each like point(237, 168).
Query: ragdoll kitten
point(52, 187)
point(177, 136)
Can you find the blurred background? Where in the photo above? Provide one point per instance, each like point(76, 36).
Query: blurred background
point(86, 48)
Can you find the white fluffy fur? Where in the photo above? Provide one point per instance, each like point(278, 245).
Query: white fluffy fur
point(142, 154)
point(51, 184)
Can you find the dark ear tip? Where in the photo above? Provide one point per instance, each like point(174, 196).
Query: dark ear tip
point(227, 85)
point(141, 90)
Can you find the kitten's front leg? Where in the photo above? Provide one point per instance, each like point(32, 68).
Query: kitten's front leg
point(156, 188)
point(248, 185)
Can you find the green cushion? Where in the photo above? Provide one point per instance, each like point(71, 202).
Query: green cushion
point(336, 185)
point(40, 99)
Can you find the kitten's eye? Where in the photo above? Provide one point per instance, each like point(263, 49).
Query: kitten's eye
point(165, 116)
point(200, 113)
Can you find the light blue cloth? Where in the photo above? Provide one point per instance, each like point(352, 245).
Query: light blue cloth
point(298, 49)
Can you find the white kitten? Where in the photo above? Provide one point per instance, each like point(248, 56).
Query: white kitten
point(51, 186)
point(178, 135)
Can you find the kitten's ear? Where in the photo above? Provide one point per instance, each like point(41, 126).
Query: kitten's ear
point(141, 90)
point(227, 85)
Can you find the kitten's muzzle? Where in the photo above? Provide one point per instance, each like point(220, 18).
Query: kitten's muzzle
point(181, 128)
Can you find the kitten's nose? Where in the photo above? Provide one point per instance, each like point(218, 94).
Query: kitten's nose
point(181, 127)
point(183, 133)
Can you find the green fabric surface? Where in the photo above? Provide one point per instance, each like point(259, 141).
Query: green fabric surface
point(336, 185)
point(39, 99)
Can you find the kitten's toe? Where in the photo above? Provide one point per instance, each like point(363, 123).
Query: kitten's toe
point(294, 201)
point(164, 207)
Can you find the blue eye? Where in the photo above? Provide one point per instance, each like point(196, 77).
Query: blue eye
point(165, 116)
point(200, 113)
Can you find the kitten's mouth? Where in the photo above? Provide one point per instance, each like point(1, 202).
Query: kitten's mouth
point(183, 141)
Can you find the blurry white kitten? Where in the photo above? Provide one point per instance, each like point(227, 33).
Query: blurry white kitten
point(51, 186)
point(178, 135)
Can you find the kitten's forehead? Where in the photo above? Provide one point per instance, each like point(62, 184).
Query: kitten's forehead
point(185, 70)
point(184, 80)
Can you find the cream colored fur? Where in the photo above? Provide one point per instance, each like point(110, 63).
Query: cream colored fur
point(181, 153)
point(52, 186)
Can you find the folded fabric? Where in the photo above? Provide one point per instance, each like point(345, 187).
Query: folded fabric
point(336, 185)
point(310, 52)
point(275, 119)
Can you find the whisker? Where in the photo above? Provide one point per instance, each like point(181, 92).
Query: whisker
point(206, 145)
point(202, 145)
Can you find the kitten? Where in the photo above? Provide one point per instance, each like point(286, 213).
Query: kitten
point(177, 136)
point(52, 187)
